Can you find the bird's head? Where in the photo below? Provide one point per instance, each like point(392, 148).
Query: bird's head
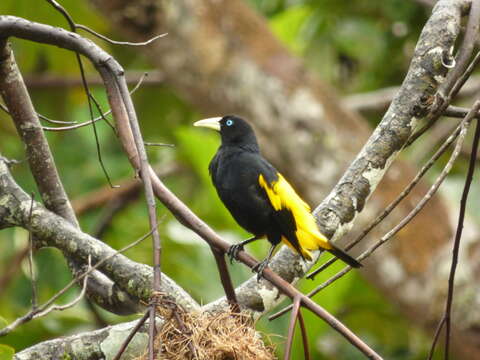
point(233, 130)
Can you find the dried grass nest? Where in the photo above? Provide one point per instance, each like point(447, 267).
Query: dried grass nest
point(220, 336)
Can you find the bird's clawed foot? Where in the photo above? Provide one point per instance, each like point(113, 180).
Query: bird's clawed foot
point(258, 268)
point(233, 251)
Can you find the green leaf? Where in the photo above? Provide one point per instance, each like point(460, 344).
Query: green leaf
point(6, 352)
point(288, 25)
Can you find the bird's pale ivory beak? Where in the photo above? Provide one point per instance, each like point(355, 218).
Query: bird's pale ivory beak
point(211, 123)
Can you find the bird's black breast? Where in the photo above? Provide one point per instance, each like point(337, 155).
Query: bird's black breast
point(235, 173)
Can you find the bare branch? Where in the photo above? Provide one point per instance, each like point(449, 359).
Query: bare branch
point(291, 327)
point(458, 234)
point(49, 306)
point(114, 42)
point(52, 81)
point(102, 114)
point(29, 128)
point(131, 335)
point(41, 160)
point(379, 100)
point(4, 108)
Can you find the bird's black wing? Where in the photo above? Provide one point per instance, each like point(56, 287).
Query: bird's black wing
point(235, 177)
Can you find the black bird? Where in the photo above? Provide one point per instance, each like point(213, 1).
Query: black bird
point(258, 196)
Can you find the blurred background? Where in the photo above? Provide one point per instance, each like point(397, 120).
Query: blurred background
point(354, 46)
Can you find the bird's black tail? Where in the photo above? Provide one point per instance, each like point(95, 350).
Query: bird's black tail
point(342, 255)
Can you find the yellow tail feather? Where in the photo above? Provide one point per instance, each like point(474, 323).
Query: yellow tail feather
point(282, 195)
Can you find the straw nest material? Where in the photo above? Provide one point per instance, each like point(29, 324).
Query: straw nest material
point(202, 336)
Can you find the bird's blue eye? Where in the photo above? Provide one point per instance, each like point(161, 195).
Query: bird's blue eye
point(229, 122)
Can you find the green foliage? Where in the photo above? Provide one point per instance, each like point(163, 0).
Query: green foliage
point(288, 24)
point(349, 43)
point(6, 352)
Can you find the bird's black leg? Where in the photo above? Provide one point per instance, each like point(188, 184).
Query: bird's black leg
point(234, 249)
point(263, 264)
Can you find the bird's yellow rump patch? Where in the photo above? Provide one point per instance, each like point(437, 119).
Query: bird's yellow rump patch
point(282, 196)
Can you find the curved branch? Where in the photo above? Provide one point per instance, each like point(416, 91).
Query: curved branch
point(52, 230)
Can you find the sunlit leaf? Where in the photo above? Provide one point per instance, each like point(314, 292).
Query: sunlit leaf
point(6, 352)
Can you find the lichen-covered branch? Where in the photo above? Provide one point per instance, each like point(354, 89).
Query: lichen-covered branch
point(29, 128)
point(337, 213)
point(132, 278)
point(95, 345)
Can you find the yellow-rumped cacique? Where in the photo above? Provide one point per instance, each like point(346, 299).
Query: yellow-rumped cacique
point(258, 196)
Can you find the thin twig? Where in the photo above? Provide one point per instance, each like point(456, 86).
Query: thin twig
point(130, 336)
point(102, 115)
point(225, 279)
point(44, 309)
point(291, 327)
point(56, 307)
point(103, 37)
point(5, 109)
point(33, 276)
point(144, 168)
point(303, 330)
point(436, 337)
point(73, 28)
point(158, 144)
point(458, 234)
point(100, 111)
point(152, 331)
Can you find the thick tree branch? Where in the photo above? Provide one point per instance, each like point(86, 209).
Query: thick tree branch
point(339, 210)
point(95, 345)
point(52, 230)
point(40, 158)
